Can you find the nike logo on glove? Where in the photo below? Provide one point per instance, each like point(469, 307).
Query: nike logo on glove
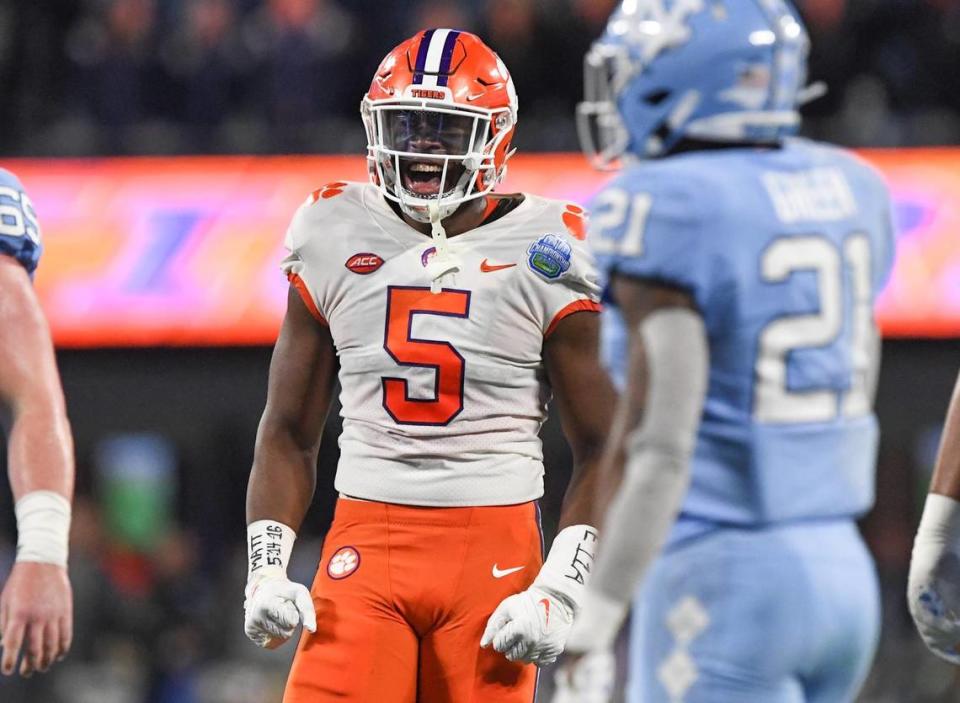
point(487, 268)
point(500, 573)
point(545, 602)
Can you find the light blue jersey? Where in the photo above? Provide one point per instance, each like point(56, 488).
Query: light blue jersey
point(19, 229)
point(784, 251)
point(766, 593)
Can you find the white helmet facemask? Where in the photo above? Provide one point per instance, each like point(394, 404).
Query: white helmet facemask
point(432, 152)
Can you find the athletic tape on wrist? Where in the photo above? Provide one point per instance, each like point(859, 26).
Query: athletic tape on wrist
point(269, 545)
point(940, 520)
point(43, 528)
point(566, 571)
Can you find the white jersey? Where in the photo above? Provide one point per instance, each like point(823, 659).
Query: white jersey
point(443, 393)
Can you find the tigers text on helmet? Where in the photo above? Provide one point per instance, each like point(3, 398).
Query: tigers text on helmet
point(717, 70)
point(439, 114)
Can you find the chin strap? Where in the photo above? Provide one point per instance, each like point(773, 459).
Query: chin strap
point(443, 262)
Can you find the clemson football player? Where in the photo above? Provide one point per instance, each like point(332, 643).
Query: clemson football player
point(449, 316)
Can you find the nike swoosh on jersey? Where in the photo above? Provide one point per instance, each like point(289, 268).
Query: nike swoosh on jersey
point(500, 573)
point(487, 268)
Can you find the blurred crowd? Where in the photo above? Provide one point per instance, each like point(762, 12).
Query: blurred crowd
point(83, 77)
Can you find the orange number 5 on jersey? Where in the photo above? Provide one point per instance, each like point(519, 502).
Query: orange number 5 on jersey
point(403, 302)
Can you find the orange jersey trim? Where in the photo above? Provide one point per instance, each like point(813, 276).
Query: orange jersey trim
point(582, 305)
point(301, 287)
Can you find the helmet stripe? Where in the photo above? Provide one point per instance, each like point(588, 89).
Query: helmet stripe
point(422, 56)
point(447, 57)
point(434, 54)
point(437, 50)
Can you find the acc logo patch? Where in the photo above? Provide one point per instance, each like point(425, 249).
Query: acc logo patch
point(344, 562)
point(549, 256)
point(364, 263)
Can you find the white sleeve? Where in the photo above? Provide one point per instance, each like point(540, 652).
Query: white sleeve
point(294, 265)
point(657, 472)
point(293, 239)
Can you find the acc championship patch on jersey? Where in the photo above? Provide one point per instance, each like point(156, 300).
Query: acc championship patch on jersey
point(549, 256)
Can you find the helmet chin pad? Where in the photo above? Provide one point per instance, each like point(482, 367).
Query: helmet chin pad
point(447, 202)
point(412, 207)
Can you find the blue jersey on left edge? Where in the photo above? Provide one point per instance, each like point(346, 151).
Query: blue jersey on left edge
point(19, 228)
point(783, 251)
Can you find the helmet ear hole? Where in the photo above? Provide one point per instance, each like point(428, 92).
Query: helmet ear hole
point(655, 97)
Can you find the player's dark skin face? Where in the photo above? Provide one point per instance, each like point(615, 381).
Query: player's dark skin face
point(425, 139)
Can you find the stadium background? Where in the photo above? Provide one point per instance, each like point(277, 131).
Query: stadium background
point(164, 433)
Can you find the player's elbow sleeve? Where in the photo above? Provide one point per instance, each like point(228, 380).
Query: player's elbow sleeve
point(675, 346)
point(639, 519)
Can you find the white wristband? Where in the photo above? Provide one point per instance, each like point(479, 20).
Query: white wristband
point(567, 569)
point(269, 544)
point(940, 521)
point(43, 528)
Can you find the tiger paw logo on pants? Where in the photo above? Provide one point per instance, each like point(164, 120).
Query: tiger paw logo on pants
point(344, 562)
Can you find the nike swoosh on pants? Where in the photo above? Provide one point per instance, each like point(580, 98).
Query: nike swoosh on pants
point(500, 573)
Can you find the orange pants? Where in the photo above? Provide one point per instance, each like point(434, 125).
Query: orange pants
point(402, 596)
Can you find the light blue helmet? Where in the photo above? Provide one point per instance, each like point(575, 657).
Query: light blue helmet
point(717, 70)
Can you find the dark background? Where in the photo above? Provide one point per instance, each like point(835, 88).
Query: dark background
point(159, 612)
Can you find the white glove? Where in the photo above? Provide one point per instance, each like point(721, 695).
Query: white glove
point(587, 679)
point(933, 589)
point(274, 604)
point(273, 609)
point(532, 626)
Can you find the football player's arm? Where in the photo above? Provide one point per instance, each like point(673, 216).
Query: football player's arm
point(300, 390)
point(935, 563)
point(946, 474)
point(532, 626)
point(654, 429)
point(585, 398)
point(36, 605)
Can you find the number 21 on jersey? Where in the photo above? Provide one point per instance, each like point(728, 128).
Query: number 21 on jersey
point(773, 399)
point(404, 303)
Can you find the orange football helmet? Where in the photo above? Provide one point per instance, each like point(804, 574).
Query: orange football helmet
point(439, 114)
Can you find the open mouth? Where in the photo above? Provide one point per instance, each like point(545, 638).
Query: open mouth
point(422, 177)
